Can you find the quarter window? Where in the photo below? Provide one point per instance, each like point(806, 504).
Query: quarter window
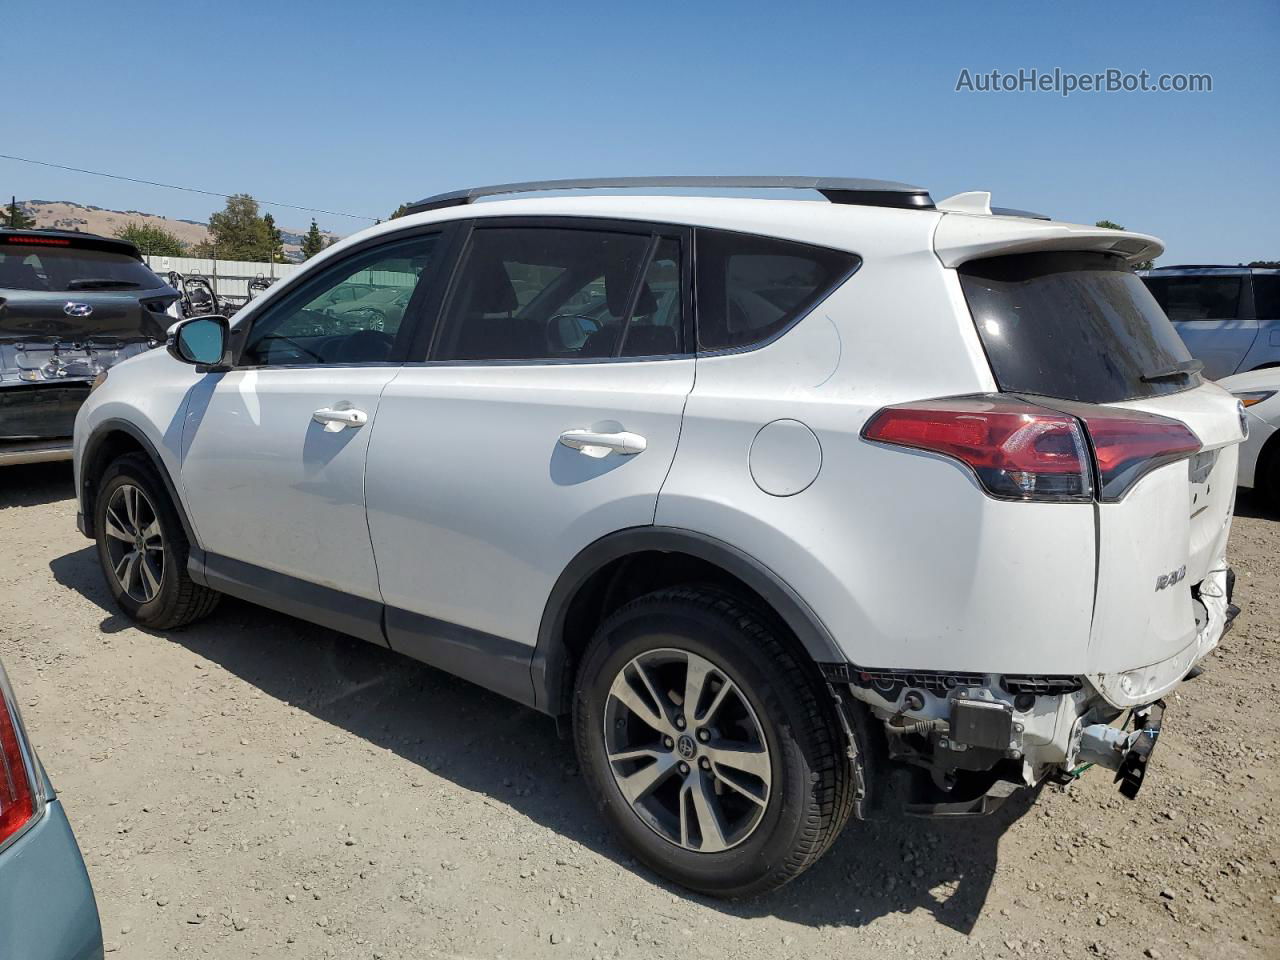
point(351, 313)
point(1266, 296)
point(750, 288)
point(549, 293)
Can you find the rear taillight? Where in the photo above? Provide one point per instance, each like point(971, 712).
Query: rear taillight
point(1025, 451)
point(1017, 450)
point(1129, 444)
point(20, 796)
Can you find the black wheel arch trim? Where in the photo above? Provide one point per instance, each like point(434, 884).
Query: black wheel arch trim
point(550, 656)
point(91, 448)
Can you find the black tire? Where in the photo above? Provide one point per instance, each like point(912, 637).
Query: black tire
point(178, 600)
point(1267, 481)
point(813, 785)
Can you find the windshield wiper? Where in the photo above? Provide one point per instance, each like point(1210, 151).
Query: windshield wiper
point(103, 283)
point(1185, 368)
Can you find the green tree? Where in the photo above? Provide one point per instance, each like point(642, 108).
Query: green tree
point(400, 211)
point(16, 217)
point(274, 242)
point(1112, 225)
point(312, 242)
point(236, 232)
point(152, 240)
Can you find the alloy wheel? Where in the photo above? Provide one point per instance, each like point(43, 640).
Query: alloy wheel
point(687, 750)
point(135, 543)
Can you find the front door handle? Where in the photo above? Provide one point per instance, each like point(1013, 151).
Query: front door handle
point(598, 445)
point(335, 419)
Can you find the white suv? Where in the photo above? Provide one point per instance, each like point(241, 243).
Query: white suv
point(799, 510)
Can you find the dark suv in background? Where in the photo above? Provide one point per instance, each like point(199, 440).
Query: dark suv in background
point(71, 305)
point(1229, 317)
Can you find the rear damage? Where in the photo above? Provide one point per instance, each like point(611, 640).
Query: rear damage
point(42, 385)
point(71, 307)
point(1107, 409)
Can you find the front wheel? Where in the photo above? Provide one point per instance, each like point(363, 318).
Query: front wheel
point(710, 748)
point(143, 548)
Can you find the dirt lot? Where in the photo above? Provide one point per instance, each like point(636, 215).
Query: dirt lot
point(255, 786)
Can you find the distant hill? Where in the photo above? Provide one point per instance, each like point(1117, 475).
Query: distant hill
point(67, 215)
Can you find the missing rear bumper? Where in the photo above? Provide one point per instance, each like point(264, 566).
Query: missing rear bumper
point(1128, 753)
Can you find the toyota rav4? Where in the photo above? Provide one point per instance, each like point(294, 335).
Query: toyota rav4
point(793, 511)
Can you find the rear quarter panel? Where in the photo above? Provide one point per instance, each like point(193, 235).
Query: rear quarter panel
point(899, 553)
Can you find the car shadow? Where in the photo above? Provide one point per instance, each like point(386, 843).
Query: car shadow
point(36, 484)
point(1249, 503)
point(499, 749)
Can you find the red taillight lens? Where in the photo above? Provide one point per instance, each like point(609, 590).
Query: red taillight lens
point(1024, 451)
point(1017, 450)
point(1128, 444)
point(18, 796)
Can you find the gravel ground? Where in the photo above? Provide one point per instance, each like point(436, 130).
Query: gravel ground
point(258, 787)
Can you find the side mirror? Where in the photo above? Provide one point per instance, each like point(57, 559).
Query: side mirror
point(203, 341)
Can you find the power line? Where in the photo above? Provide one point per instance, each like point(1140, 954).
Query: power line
point(172, 186)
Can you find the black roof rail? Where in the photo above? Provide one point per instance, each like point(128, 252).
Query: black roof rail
point(875, 193)
point(1204, 266)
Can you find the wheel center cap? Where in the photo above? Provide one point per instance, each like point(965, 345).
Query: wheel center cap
point(686, 747)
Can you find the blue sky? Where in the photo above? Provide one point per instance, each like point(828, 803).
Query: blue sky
point(357, 107)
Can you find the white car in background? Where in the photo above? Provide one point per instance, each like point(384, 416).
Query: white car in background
point(1259, 391)
point(781, 503)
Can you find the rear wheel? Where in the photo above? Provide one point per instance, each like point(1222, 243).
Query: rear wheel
point(143, 548)
point(709, 746)
point(1267, 480)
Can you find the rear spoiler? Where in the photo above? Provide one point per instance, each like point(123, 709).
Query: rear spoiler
point(68, 240)
point(961, 237)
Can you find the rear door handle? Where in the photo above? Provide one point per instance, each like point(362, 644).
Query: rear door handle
point(598, 445)
point(335, 420)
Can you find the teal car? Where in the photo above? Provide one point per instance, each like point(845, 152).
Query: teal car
point(47, 909)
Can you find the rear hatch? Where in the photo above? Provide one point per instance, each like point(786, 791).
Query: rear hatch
point(1079, 332)
point(56, 287)
point(70, 307)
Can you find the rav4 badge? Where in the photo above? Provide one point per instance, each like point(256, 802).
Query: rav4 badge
point(1169, 579)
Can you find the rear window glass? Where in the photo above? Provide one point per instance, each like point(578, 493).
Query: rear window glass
point(1076, 326)
point(750, 288)
point(1196, 297)
point(61, 269)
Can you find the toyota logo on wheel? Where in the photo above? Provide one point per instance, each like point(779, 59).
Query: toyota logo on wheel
point(72, 309)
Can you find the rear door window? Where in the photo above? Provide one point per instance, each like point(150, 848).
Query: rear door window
point(1197, 297)
point(751, 288)
point(1077, 326)
point(563, 293)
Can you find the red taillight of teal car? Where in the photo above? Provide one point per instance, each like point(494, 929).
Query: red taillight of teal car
point(20, 795)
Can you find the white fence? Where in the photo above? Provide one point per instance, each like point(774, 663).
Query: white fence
point(231, 277)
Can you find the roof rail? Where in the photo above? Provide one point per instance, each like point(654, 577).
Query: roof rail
point(1204, 266)
point(875, 193)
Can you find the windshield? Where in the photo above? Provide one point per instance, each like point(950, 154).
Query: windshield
point(63, 269)
point(1077, 326)
point(1197, 297)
